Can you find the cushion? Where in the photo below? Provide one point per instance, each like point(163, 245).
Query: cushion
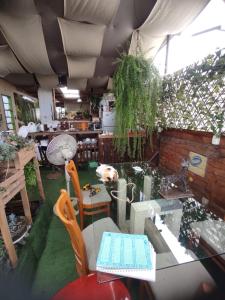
point(92, 238)
point(102, 196)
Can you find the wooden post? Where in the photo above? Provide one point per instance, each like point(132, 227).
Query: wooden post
point(26, 205)
point(6, 235)
point(39, 181)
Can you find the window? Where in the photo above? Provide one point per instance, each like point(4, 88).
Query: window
point(7, 104)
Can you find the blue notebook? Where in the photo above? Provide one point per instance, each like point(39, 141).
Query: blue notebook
point(124, 251)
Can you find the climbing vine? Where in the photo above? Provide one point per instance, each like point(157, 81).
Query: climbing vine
point(194, 97)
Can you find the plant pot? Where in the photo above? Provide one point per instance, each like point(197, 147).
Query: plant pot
point(216, 140)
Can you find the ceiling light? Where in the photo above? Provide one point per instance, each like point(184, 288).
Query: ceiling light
point(79, 100)
point(68, 93)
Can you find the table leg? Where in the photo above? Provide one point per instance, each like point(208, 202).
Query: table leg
point(26, 205)
point(39, 181)
point(147, 190)
point(122, 203)
point(6, 235)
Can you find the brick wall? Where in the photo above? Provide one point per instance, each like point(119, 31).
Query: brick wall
point(176, 145)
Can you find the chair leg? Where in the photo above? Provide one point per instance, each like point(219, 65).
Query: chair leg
point(81, 220)
point(108, 210)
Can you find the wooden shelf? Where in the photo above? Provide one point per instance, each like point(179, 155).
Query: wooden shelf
point(14, 184)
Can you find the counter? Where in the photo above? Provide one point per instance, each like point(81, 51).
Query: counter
point(58, 132)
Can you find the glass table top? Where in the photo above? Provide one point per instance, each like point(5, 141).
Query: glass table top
point(180, 230)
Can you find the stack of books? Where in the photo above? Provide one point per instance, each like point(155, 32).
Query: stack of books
point(130, 255)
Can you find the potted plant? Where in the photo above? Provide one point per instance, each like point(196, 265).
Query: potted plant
point(95, 101)
point(217, 126)
point(137, 88)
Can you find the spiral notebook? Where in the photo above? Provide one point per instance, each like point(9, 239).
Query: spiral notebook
point(129, 255)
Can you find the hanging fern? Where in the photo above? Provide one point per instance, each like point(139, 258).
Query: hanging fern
point(137, 88)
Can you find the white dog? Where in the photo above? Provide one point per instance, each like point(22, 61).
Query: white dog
point(107, 173)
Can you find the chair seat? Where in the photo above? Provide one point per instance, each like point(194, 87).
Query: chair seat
point(102, 196)
point(180, 282)
point(92, 236)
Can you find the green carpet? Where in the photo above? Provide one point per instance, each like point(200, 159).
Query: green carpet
point(56, 266)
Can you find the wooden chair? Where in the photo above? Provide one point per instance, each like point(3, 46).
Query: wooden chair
point(85, 243)
point(88, 205)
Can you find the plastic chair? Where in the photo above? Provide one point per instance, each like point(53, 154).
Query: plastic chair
point(85, 243)
point(88, 205)
point(86, 287)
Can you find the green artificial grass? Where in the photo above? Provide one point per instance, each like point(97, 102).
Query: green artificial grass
point(47, 261)
point(57, 265)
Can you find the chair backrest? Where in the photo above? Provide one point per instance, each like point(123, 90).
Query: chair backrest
point(72, 171)
point(65, 212)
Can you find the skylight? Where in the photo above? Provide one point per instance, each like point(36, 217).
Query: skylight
point(69, 94)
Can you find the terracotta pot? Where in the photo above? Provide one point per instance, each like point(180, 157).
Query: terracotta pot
point(83, 126)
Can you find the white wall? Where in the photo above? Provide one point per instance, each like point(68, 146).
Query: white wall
point(46, 105)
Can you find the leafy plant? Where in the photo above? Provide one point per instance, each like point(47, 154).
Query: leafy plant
point(193, 97)
point(218, 122)
point(18, 141)
point(137, 87)
point(30, 174)
point(86, 114)
point(7, 152)
point(95, 100)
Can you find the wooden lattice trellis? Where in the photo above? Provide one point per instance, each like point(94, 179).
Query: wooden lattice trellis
point(194, 97)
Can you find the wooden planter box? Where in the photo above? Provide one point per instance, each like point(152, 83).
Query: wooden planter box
point(12, 185)
point(23, 157)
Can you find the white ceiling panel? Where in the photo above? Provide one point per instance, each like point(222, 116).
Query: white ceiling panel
point(81, 67)
point(167, 17)
point(47, 81)
point(81, 39)
point(91, 11)
point(8, 62)
point(26, 39)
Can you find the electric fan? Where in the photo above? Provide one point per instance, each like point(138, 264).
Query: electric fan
point(60, 150)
